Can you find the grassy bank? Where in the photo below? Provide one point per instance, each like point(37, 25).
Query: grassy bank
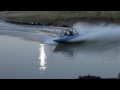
point(60, 17)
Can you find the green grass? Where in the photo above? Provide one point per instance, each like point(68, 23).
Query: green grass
point(55, 17)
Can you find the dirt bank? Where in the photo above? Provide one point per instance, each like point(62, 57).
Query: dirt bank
point(59, 18)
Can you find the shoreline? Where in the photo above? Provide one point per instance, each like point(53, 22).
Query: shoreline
point(65, 23)
point(59, 18)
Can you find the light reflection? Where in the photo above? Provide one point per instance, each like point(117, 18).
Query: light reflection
point(42, 57)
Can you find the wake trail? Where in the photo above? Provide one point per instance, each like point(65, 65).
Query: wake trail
point(27, 32)
point(108, 35)
point(98, 33)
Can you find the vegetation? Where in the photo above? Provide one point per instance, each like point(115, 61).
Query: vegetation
point(60, 17)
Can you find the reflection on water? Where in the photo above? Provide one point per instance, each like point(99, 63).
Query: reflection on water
point(65, 50)
point(71, 50)
point(68, 50)
point(42, 58)
point(68, 54)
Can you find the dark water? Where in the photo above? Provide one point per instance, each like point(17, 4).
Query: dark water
point(28, 52)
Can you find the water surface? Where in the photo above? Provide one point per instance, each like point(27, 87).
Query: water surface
point(28, 52)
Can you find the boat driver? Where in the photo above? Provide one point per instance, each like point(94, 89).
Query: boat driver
point(70, 33)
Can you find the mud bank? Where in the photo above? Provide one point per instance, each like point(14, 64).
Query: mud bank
point(64, 23)
point(59, 18)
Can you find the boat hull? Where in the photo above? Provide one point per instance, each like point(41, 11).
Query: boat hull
point(66, 39)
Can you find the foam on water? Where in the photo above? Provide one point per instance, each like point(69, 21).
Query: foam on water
point(28, 32)
point(98, 33)
point(91, 32)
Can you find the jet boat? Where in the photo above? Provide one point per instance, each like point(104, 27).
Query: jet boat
point(67, 35)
